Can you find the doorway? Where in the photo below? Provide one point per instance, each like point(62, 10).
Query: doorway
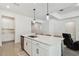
point(7, 28)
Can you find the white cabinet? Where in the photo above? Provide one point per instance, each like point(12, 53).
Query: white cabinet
point(27, 45)
point(35, 50)
point(38, 49)
point(43, 51)
point(42, 47)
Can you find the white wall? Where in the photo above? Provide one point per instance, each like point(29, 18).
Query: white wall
point(45, 27)
point(59, 26)
point(76, 21)
point(64, 19)
point(54, 26)
point(22, 24)
point(77, 29)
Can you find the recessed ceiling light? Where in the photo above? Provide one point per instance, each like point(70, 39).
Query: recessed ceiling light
point(7, 6)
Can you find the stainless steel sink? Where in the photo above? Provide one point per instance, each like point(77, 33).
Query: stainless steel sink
point(32, 36)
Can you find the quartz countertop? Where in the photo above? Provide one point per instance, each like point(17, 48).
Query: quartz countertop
point(50, 40)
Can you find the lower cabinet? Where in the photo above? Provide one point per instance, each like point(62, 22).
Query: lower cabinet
point(27, 46)
point(39, 49)
point(35, 48)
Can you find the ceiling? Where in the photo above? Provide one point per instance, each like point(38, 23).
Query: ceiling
point(41, 8)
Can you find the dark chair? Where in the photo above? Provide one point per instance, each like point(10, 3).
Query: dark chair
point(69, 42)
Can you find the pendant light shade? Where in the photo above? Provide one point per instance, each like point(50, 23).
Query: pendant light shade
point(34, 21)
point(47, 15)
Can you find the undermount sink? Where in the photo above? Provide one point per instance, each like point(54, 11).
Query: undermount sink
point(32, 36)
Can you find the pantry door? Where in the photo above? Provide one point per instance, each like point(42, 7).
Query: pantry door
point(8, 28)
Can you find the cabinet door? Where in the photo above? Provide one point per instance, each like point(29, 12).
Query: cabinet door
point(43, 51)
point(35, 50)
point(39, 50)
point(27, 45)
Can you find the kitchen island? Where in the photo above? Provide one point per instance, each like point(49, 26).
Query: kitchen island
point(40, 45)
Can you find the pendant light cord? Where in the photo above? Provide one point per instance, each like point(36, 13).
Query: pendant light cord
point(47, 9)
point(34, 13)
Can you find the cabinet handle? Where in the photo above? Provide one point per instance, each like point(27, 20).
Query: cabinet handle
point(37, 51)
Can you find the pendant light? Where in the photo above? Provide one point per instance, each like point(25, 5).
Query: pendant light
point(47, 15)
point(34, 16)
